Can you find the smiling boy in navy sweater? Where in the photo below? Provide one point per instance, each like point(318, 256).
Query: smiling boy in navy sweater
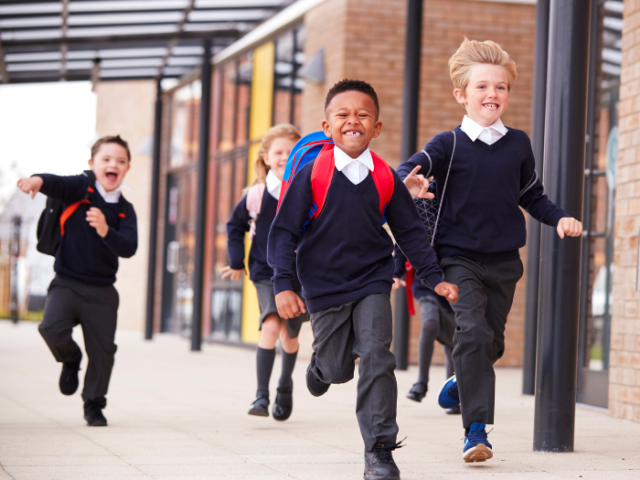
point(82, 292)
point(345, 265)
point(481, 226)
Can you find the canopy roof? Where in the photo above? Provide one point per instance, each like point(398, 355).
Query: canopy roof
point(44, 41)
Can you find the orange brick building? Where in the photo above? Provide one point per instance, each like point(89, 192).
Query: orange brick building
point(624, 390)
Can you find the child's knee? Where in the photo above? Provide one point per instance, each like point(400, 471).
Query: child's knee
point(431, 327)
point(271, 325)
point(338, 372)
point(47, 332)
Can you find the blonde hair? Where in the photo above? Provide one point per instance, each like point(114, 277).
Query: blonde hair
point(472, 53)
point(283, 130)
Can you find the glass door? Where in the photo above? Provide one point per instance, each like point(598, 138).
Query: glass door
point(179, 252)
point(600, 191)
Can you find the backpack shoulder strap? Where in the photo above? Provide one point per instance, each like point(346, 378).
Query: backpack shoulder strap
point(321, 176)
point(255, 195)
point(444, 189)
point(385, 183)
point(91, 184)
point(123, 205)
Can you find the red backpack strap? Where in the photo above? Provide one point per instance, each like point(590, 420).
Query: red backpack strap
point(321, 176)
point(383, 178)
point(68, 212)
point(408, 282)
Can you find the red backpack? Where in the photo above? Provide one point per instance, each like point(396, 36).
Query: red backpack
point(319, 147)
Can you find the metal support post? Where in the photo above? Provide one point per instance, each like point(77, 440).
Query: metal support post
point(153, 224)
point(560, 259)
point(14, 251)
point(410, 104)
point(401, 330)
point(533, 239)
point(201, 198)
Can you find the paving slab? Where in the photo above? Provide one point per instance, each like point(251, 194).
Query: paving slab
point(175, 414)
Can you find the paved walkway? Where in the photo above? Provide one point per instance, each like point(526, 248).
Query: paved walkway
point(180, 415)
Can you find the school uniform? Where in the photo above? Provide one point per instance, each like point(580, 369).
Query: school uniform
point(82, 292)
point(260, 272)
point(345, 265)
point(479, 236)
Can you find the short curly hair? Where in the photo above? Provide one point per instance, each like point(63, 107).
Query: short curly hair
point(472, 53)
point(348, 85)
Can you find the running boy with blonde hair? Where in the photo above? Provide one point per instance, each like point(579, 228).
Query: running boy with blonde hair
point(492, 174)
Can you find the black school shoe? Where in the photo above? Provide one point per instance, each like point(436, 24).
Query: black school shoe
point(93, 413)
point(379, 464)
point(69, 378)
point(260, 406)
point(417, 392)
point(315, 386)
point(283, 405)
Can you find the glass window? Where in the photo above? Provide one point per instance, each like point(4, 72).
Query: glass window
point(287, 84)
point(600, 189)
point(230, 162)
point(185, 111)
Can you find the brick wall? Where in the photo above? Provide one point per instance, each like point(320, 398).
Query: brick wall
point(365, 40)
point(127, 108)
point(624, 373)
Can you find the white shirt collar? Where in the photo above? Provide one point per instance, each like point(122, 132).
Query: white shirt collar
point(273, 185)
point(342, 159)
point(473, 129)
point(114, 195)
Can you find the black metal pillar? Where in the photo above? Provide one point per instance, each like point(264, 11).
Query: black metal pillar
point(201, 198)
point(559, 305)
point(533, 239)
point(410, 104)
point(153, 224)
point(14, 250)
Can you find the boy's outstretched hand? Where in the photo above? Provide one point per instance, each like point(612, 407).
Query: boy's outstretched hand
point(233, 273)
point(569, 226)
point(448, 291)
point(289, 304)
point(417, 185)
point(96, 219)
point(30, 185)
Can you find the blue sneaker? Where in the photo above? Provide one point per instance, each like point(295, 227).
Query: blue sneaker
point(476, 445)
point(448, 396)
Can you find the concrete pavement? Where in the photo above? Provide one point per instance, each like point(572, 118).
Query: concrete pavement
point(174, 414)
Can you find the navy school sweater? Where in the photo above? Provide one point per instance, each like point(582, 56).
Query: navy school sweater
point(83, 254)
point(345, 254)
point(418, 288)
point(237, 227)
point(481, 218)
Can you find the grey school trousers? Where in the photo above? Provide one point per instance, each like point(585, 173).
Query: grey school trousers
point(485, 297)
point(95, 308)
point(361, 329)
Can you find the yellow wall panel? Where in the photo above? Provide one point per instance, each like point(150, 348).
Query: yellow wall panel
point(259, 122)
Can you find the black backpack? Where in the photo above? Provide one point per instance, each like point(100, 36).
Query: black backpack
point(52, 219)
point(430, 209)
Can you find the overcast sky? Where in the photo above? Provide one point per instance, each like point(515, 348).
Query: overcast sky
point(44, 128)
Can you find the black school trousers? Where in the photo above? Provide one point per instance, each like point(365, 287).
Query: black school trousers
point(69, 303)
point(360, 329)
point(485, 297)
